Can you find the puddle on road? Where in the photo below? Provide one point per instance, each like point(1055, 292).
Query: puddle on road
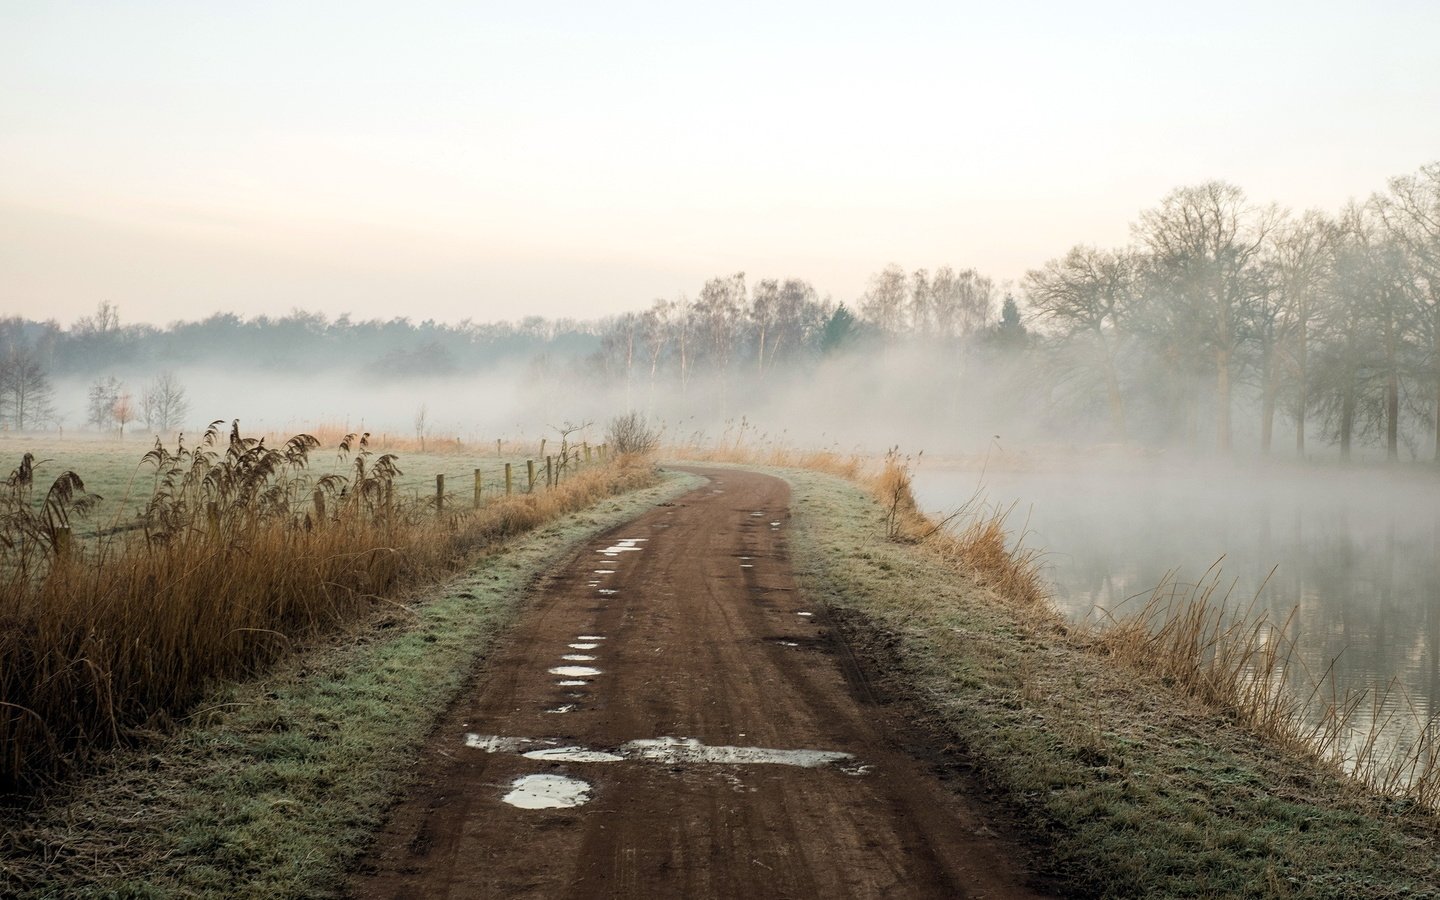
point(572, 682)
point(578, 657)
point(623, 545)
point(757, 515)
point(805, 614)
point(608, 592)
point(590, 646)
point(562, 709)
point(575, 671)
point(604, 571)
point(673, 750)
point(491, 743)
point(774, 524)
point(547, 792)
point(747, 565)
point(572, 754)
point(591, 637)
point(664, 750)
point(787, 643)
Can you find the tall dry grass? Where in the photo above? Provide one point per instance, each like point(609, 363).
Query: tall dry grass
point(241, 553)
point(1237, 658)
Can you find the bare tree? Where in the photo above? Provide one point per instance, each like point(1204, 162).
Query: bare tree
point(25, 392)
point(764, 310)
point(1411, 212)
point(104, 393)
point(163, 405)
point(422, 418)
point(884, 302)
point(1298, 258)
point(1088, 295)
point(123, 412)
point(960, 303)
point(1205, 242)
point(798, 314)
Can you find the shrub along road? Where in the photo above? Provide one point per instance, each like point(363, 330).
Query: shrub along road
point(709, 728)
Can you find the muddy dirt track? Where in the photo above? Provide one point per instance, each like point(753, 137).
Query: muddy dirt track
point(693, 658)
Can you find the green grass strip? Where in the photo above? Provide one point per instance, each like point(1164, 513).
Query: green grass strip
point(276, 786)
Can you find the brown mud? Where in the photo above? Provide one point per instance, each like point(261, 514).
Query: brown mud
point(698, 636)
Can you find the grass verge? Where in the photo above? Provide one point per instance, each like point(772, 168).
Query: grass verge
point(1127, 786)
point(271, 788)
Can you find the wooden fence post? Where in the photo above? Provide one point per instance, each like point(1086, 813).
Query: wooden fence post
point(478, 482)
point(507, 479)
point(549, 472)
point(439, 494)
point(530, 472)
point(587, 451)
point(319, 507)
point(497, 448)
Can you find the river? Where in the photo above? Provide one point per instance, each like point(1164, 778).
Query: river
point(1356, 553)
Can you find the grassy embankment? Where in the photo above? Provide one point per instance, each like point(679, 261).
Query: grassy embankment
point(272, 787)
point(1138, 761)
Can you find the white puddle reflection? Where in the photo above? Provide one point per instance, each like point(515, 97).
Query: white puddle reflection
point(577, 657)
point(604, 571)
point(547, 792)
point(587, 646)
point(788, 644)
point(494, 744)
point(572, 754)
point(774, 524)
point(591, 637)
point(806, 615)
point(560, 710)
point(574, 671)
point(747, 566)
point(608, 592)
point(679, 750)
point(573, 682)
point(665, 750)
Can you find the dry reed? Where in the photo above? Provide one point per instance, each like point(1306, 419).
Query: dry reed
point(241, 552)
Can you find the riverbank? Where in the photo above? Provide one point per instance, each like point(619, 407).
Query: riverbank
point(1124, 785)
point(272, 787)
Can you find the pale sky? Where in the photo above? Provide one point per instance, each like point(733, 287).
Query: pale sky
point(494, 160)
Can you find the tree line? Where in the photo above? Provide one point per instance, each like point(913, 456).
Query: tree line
point(1325, 323)
point(1221, 316)
point(1315, 316)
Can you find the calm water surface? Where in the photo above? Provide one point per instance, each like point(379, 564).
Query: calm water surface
point(1357, 553)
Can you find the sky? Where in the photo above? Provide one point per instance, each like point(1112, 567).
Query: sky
point(453, 160)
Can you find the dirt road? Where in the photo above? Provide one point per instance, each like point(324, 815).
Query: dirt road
point(664, 682)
